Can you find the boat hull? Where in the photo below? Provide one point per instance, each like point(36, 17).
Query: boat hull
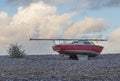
point(90, 50)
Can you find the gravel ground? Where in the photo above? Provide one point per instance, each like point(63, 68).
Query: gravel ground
point(105, 67)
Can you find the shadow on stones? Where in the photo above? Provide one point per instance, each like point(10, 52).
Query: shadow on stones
point(74, 57)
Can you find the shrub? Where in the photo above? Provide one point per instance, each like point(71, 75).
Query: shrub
point(16, 51)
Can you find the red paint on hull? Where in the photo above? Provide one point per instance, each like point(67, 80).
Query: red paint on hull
point(90, 50)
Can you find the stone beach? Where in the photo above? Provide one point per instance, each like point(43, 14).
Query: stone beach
point(105, 67)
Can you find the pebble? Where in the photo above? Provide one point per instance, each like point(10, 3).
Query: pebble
point(105, 67)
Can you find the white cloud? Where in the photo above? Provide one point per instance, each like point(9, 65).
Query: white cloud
point(114, 36)
point(89, 25)
point(24, 23)
point(113, 42)
point(4, 19)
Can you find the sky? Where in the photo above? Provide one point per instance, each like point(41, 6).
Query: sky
point(21, 20)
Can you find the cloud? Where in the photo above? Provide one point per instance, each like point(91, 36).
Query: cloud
point(83, 5)
point(113, 42)
point(27, 2)
point(113, 3)
point(4, 19)
point(114, 36)
point(98, 4)
point(95, 2)
point(40, 16)
point(21, 2)
point(79, 6)
point(89, 25)
point(37, 18)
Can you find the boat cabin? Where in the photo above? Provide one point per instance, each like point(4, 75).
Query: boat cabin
point(83, 42)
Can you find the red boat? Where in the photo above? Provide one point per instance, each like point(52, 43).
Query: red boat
point(79, 47)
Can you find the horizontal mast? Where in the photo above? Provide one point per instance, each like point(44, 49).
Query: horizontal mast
point(67, 39)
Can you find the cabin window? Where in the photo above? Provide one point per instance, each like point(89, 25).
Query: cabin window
point(75, 42)
point(86, 43)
